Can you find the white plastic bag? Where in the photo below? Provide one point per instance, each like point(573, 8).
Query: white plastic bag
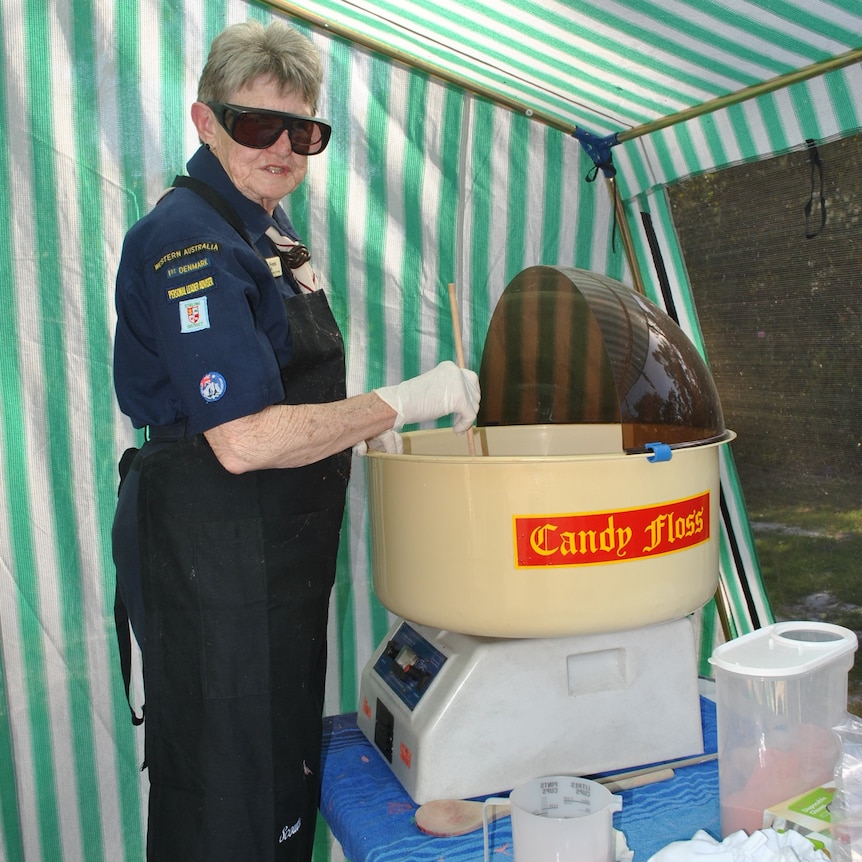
point(764, 845)
point(846, 810)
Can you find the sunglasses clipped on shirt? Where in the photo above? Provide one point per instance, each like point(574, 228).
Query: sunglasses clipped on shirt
point(258, 128)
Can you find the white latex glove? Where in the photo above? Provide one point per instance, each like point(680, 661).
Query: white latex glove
point(388, 441)
point(442, 390)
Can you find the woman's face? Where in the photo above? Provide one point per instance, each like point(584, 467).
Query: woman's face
point(264, 176)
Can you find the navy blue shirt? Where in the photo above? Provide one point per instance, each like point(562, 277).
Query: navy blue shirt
point(202, 331)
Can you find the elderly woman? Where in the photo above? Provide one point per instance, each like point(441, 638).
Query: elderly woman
point(227, 524)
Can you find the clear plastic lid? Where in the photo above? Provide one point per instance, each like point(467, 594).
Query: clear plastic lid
point(785, 649)
point(567, 346)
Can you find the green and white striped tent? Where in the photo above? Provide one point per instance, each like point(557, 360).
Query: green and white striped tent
point(453, 160)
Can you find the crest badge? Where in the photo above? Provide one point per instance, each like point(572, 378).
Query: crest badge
point(194, 314)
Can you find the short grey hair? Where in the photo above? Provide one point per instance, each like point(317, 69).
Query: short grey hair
point(242, 53)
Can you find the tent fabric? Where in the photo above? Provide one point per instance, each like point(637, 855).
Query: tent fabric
point(606, 66)
point(423, 184)
point(614, 67)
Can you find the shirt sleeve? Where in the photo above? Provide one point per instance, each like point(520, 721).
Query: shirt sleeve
point(201, 331)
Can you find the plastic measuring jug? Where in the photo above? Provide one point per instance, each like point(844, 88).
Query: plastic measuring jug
point(559, 818)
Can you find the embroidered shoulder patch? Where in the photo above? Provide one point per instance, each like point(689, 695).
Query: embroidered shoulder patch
point(212, 386)
point(194, 314)
point(176, 254)
point(190, 288)
point(185, 270)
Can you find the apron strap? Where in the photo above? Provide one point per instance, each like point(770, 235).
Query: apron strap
point(217, 202)
point(302, 276)
point(121, 614)
point(124, 643)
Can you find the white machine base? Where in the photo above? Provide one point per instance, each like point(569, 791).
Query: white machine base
point(458, 716)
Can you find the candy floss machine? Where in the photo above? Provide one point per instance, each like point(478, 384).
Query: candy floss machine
point(543, 582)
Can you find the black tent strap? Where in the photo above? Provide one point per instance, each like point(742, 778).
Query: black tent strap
point(599, 150)
point(743, 575)
point(660, 268)
point(816, 171)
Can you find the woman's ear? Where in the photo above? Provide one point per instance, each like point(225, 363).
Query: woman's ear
point(205, 122)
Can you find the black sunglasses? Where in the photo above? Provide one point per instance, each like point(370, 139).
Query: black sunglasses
point(259, 128)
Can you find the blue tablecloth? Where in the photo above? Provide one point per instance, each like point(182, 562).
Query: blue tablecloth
point(371, 815)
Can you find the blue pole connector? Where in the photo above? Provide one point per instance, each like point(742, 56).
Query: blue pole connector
point(599, 150)
point(660, 452)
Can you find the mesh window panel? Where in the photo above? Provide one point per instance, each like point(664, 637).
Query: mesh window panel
point(773, 251)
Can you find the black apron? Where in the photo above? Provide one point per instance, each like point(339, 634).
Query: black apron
point(236, 573)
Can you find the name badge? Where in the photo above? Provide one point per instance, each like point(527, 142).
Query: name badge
point(274, 266)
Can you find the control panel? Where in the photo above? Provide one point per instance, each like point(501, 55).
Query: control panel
point(408, 665)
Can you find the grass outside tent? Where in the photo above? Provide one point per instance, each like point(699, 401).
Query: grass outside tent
point(809, 542)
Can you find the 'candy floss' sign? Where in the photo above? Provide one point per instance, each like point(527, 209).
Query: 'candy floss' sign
point(611, 537)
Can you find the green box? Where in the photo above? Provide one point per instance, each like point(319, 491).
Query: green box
point(807, 814)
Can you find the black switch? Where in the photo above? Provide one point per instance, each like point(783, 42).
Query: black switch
point(384, 729)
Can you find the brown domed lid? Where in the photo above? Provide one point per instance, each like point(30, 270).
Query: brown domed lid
point(567, 346)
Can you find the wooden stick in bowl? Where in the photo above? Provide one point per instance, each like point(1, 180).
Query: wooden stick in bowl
point(459, 352)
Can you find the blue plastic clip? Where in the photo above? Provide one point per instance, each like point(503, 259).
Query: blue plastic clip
point(660, 452)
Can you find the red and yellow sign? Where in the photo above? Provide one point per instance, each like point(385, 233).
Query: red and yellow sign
point(617, 536)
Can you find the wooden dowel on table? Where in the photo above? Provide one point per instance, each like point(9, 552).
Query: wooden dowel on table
point(659, 767)
point(459, 353)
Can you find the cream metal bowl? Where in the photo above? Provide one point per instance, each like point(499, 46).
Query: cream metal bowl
point(548, 530)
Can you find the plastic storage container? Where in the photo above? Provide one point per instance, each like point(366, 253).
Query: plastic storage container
point(779, 692)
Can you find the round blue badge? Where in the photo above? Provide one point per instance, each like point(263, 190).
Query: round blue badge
point(213, 386)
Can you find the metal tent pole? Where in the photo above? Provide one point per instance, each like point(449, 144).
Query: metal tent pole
point(743, 95)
